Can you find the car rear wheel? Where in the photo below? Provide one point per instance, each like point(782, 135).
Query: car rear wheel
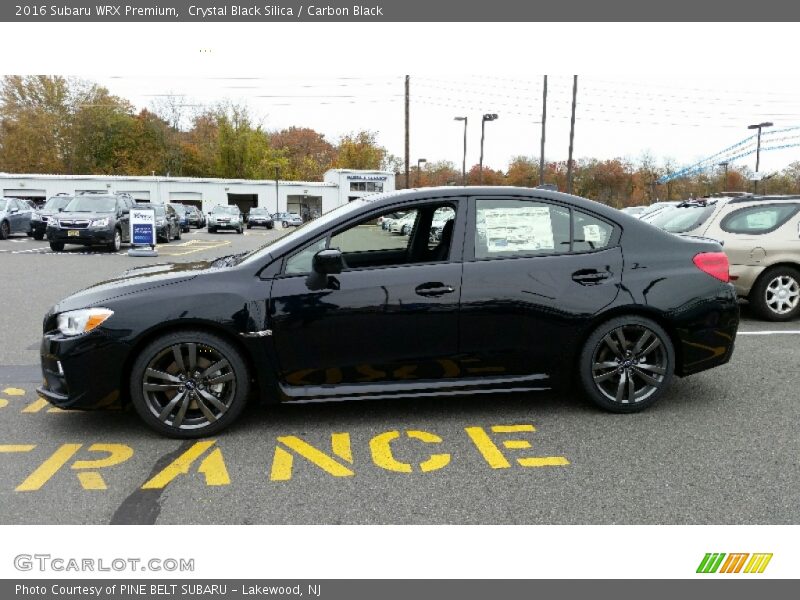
point(38, 236)
point(776, 294)
point(626, 364)
point(189, 384)
point(5, 230)
point(56, 246)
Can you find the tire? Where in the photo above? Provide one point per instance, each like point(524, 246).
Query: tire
point(29, 234)
point(178, 234)
point(249, 226)
point(57, 246)
point(5, 230)
point(776, 294)
point(38, 236)
point(607, 369)
point(211, 230)
point(115, 245)
point(160, 410)
point(270, 225)
point(240, 231)
point(166, 238)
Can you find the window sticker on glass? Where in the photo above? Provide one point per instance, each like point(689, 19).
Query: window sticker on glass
point(592, 233)
point(524, 229)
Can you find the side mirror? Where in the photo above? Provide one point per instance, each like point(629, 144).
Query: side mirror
point(125, 211)
point(328, 262)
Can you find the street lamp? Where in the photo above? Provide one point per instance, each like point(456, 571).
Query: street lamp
point(725, 164)
point(419, 169)
point(486, 117)
point(464, 160)
point(758, 126)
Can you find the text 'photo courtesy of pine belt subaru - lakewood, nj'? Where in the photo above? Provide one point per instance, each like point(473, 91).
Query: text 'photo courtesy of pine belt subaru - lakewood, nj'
point(523, 290)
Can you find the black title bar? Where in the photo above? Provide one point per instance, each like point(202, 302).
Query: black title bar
point(405, 10)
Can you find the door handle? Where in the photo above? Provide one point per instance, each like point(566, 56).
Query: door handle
point(589, 276)
point(433, 289)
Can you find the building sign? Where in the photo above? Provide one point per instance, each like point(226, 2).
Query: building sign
point(143, 227)
point(368, 177)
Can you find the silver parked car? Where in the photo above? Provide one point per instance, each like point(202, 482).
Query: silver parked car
point(15, 217)
point(760, 235)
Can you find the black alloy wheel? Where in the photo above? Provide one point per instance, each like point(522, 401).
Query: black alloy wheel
point(626, 364)
point(189, 384)
point(5, 230)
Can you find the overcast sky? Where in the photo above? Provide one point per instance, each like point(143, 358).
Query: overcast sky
point(681, 94)
point(684, 119)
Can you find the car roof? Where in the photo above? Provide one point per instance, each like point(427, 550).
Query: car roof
point(388, 199)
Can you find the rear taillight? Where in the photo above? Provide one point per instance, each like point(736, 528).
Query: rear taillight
point(715, 264)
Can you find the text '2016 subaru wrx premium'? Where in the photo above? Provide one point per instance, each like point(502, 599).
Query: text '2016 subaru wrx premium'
point(520, 290)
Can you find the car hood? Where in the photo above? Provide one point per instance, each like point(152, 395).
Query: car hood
point(132, 281)
point(85, 215)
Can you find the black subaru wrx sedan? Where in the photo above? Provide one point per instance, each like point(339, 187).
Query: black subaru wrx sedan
point(524, 289)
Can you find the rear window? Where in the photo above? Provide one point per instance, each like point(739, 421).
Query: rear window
point(756, 220)
point(681, 219)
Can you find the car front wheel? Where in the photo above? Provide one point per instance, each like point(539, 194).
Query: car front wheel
point(626, 364)
point(116, 243)
point(56, 246)
point(776, 294)
point(189, 384)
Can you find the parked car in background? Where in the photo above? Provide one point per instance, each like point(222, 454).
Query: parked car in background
point(168, 221)
point(440, 219)
point(260, 217)
point(225, 217)
point(15, 217)
point(760, 236)
point(53, 206)
point(92, 219)
point(194, 216)
point(656, 208)
point(287, 219)
point(181, 214)
point(188, 344)
point(403, 225)
point(634, 210)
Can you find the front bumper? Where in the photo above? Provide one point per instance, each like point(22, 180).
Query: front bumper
point(234, 225)
point(81, 372)
point(86, 236)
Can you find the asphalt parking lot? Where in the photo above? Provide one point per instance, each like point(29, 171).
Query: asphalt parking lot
point(721, 447)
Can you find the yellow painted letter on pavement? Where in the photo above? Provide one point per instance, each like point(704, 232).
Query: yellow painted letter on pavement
point(494, 456)
point(212, 467)
point(48, 468)
point(283, 461)
point(382, 455)
point(92, 480)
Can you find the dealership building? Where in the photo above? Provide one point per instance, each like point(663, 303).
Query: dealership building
point(303, 197)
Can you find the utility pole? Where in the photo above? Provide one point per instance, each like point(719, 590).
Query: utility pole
point(725, 164)
point(408, 145)
point(571, 133)
point(758, 126)
point(544, 120)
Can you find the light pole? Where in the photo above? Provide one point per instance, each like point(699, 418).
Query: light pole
point(463, 160)
point(486, 117)
point(724, 164)
point(758, 126)
point(419, 169)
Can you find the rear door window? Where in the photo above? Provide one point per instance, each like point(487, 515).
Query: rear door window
point(758, 220)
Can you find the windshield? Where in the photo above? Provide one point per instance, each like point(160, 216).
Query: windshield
point(228, 210)
point(258, 211)
point(682, 219)
point(92, 204)
point(3, 204)
point(160, 211)
point(276, 245)
point(57, 202)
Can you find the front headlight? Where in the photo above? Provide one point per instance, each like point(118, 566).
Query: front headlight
point(99, 222)
point(76, 322)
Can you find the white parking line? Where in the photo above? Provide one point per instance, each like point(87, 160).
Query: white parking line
point(778, 332)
